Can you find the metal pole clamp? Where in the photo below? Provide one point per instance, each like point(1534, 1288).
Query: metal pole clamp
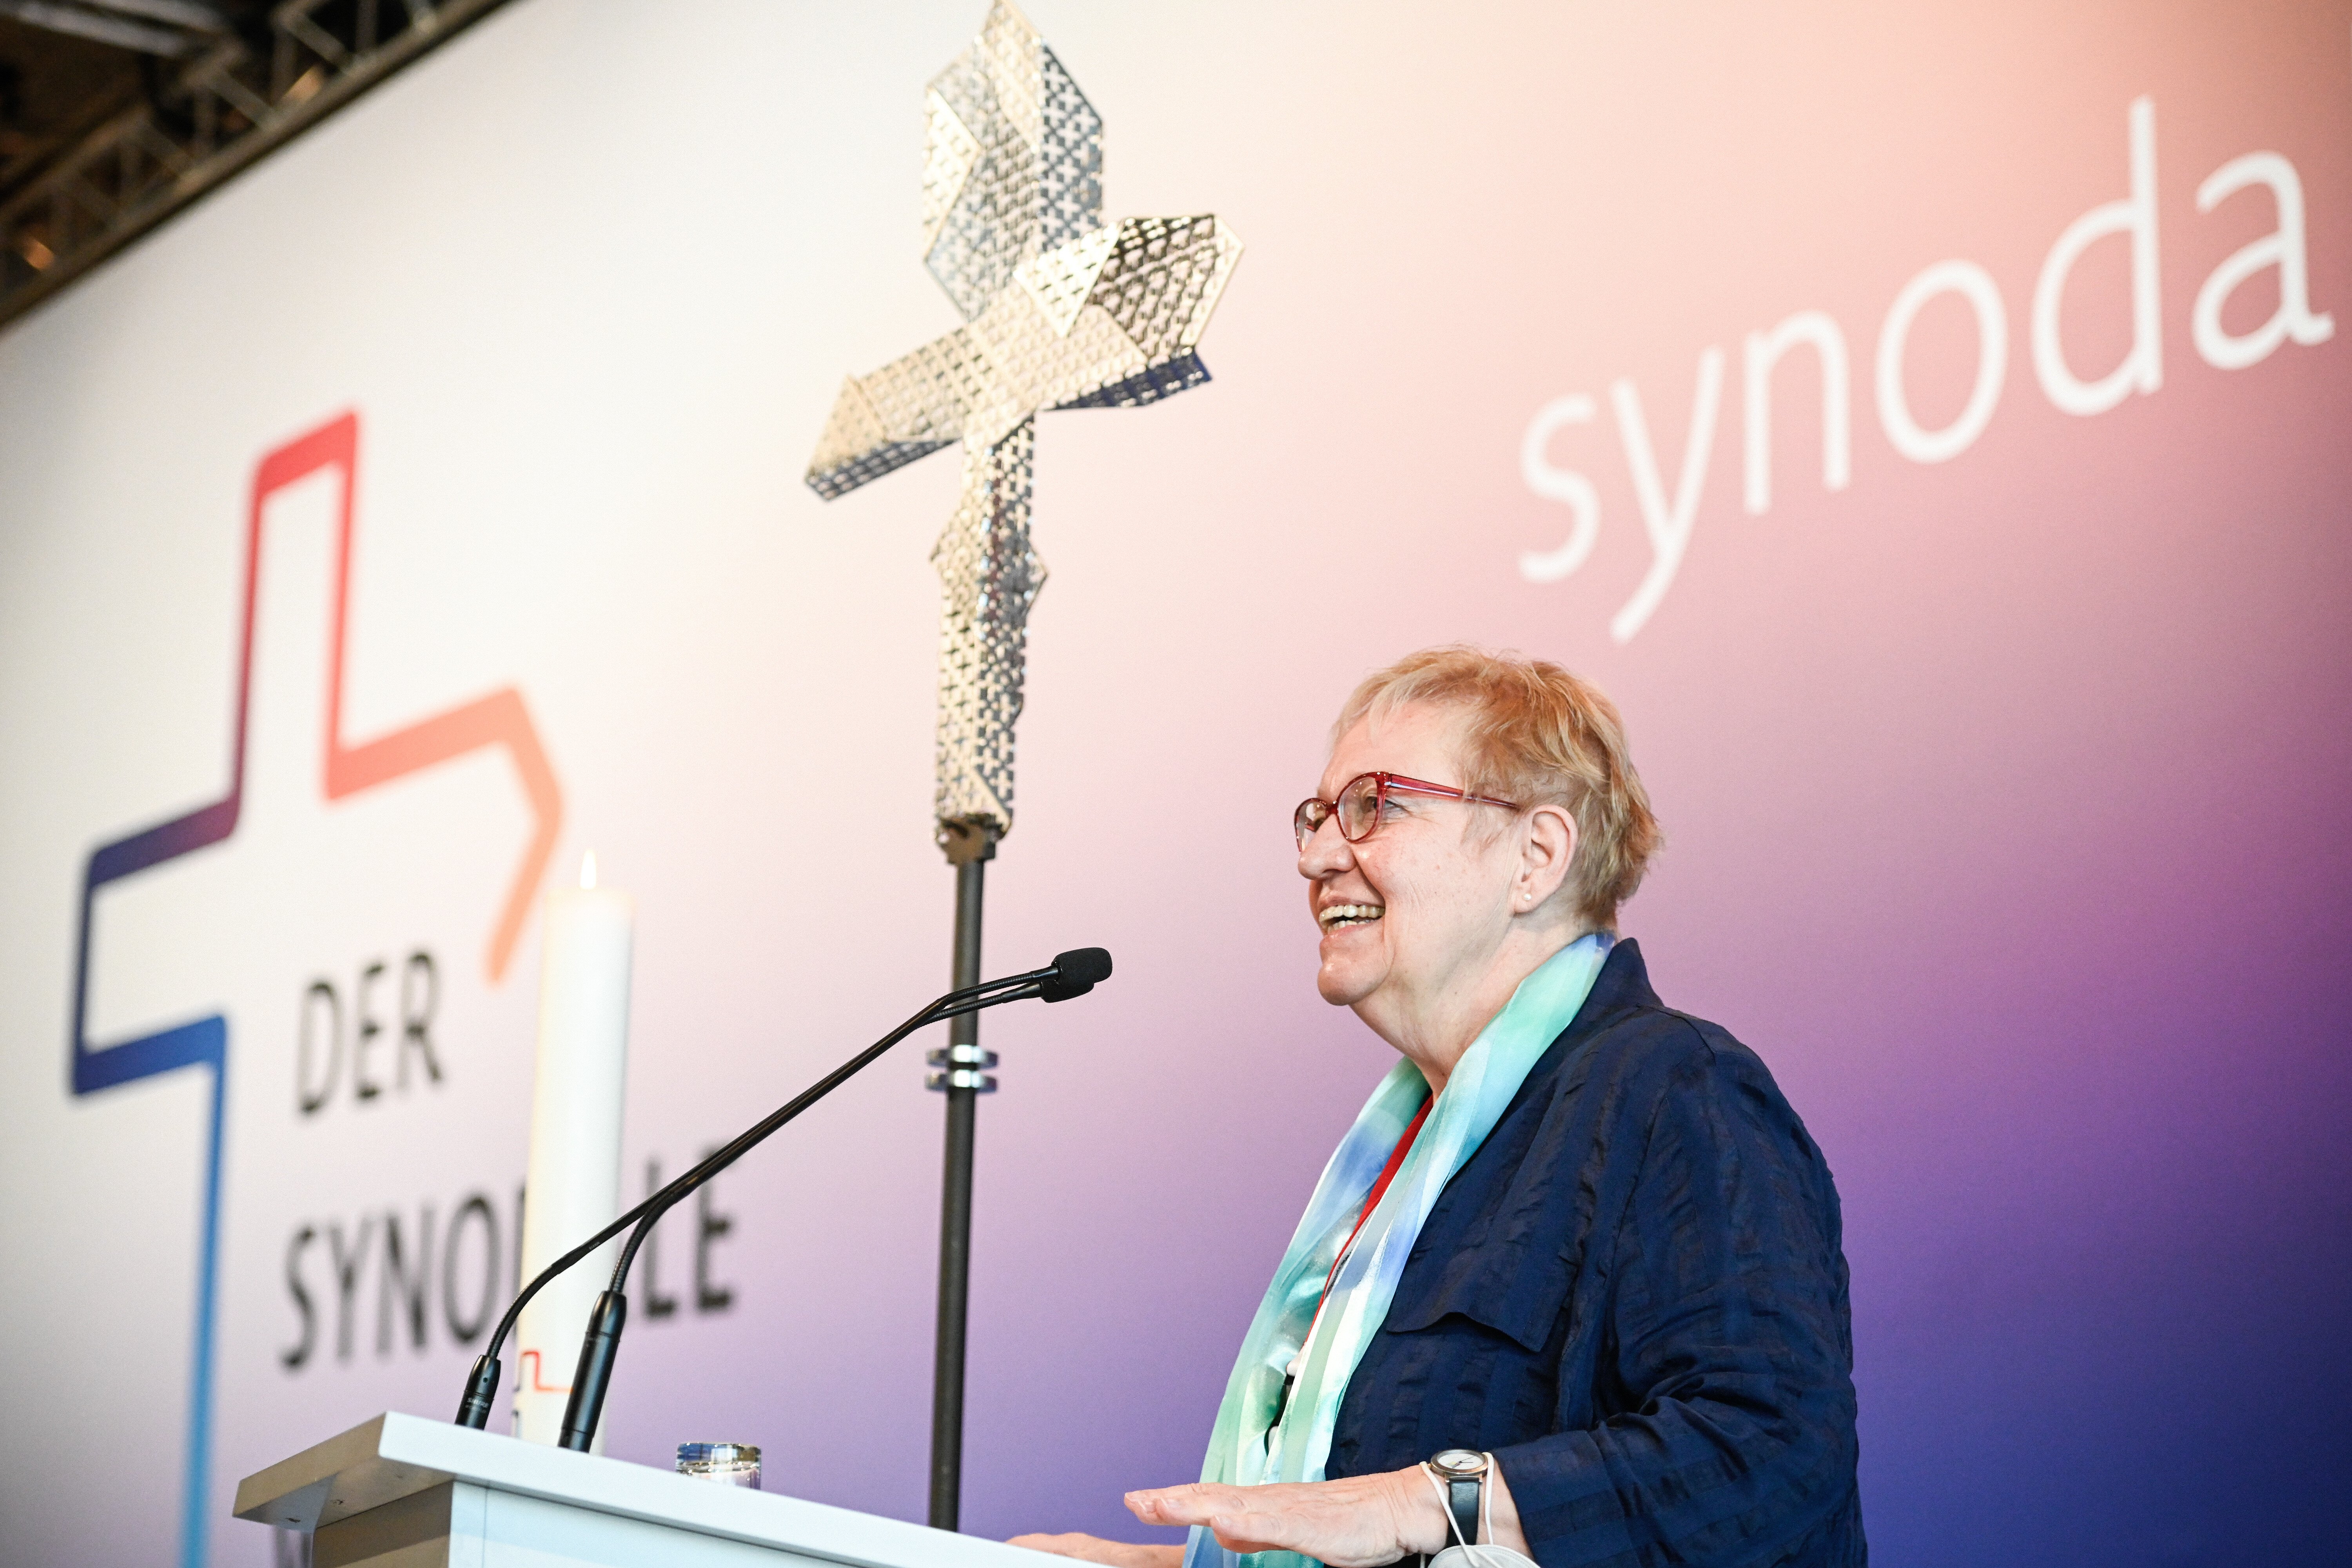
point(960, 1067)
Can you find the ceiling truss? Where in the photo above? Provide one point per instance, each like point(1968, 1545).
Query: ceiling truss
point(236, 97)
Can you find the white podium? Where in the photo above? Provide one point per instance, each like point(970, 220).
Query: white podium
point(401, 1492)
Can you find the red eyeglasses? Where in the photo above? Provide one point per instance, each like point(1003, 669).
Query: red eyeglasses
point(1363, 801)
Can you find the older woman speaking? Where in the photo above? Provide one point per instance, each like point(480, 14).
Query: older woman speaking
point(1572, 1285)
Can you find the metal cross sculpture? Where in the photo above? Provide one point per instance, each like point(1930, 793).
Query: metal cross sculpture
point(1060, 310)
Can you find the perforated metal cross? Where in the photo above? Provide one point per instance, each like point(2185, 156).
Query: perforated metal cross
point(1060, 312)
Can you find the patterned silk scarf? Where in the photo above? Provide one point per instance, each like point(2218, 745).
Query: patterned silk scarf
point(1264, 1434)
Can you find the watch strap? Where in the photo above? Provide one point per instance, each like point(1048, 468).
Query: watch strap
point(1462, 1501)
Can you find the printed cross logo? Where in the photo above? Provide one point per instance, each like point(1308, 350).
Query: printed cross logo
point(497, 720)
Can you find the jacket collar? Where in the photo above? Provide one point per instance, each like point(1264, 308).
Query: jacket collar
point(1621, 986)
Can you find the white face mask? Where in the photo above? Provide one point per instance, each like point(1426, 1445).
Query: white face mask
point(1470, 1554)
point(1481, 1557)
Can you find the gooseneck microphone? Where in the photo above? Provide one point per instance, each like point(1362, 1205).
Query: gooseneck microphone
point(1072, 974)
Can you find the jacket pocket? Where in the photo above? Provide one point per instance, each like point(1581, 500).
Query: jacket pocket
point(1509, 1289)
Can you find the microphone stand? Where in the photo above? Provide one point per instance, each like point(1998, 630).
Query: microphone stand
point(598, 1348)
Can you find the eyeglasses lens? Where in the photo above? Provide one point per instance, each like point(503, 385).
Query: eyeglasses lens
point(1309, 817)
point(1360, 806)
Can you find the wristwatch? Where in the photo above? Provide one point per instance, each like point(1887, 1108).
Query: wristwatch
point(1463, 1472)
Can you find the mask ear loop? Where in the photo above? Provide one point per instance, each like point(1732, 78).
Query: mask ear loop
point(1486, 1499)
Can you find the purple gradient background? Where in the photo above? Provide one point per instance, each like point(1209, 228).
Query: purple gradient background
point(2007, 799)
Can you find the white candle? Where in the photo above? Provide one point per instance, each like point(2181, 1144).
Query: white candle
point(574, 1185)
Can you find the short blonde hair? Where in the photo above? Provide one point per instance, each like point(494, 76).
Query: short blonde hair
point(1534, 734)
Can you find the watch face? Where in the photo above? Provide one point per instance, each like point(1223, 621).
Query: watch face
point(1462, 1462)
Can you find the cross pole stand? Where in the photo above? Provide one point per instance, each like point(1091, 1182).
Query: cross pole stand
point(1060, 310)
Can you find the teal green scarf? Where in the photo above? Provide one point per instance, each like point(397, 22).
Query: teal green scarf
point(1260, 1436)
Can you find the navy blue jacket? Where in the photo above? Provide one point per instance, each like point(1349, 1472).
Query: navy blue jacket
point(1634, 1296)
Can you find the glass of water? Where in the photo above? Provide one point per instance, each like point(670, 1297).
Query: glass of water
point(729, 1464)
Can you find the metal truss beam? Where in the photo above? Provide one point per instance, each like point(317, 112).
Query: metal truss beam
point(234, 103)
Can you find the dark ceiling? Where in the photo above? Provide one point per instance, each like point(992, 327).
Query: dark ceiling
point(116, 114)
point(66, 68)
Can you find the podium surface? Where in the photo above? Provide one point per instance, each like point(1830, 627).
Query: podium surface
point(401, 1492)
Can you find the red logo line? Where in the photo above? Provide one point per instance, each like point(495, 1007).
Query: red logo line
point(499, 718)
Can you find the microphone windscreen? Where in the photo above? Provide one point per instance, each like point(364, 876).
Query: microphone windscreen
point(1083, 965)
point(1075, 973)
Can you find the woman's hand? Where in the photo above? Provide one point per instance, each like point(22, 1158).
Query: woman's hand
point(1095, 1549)
point(1351, 1523)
